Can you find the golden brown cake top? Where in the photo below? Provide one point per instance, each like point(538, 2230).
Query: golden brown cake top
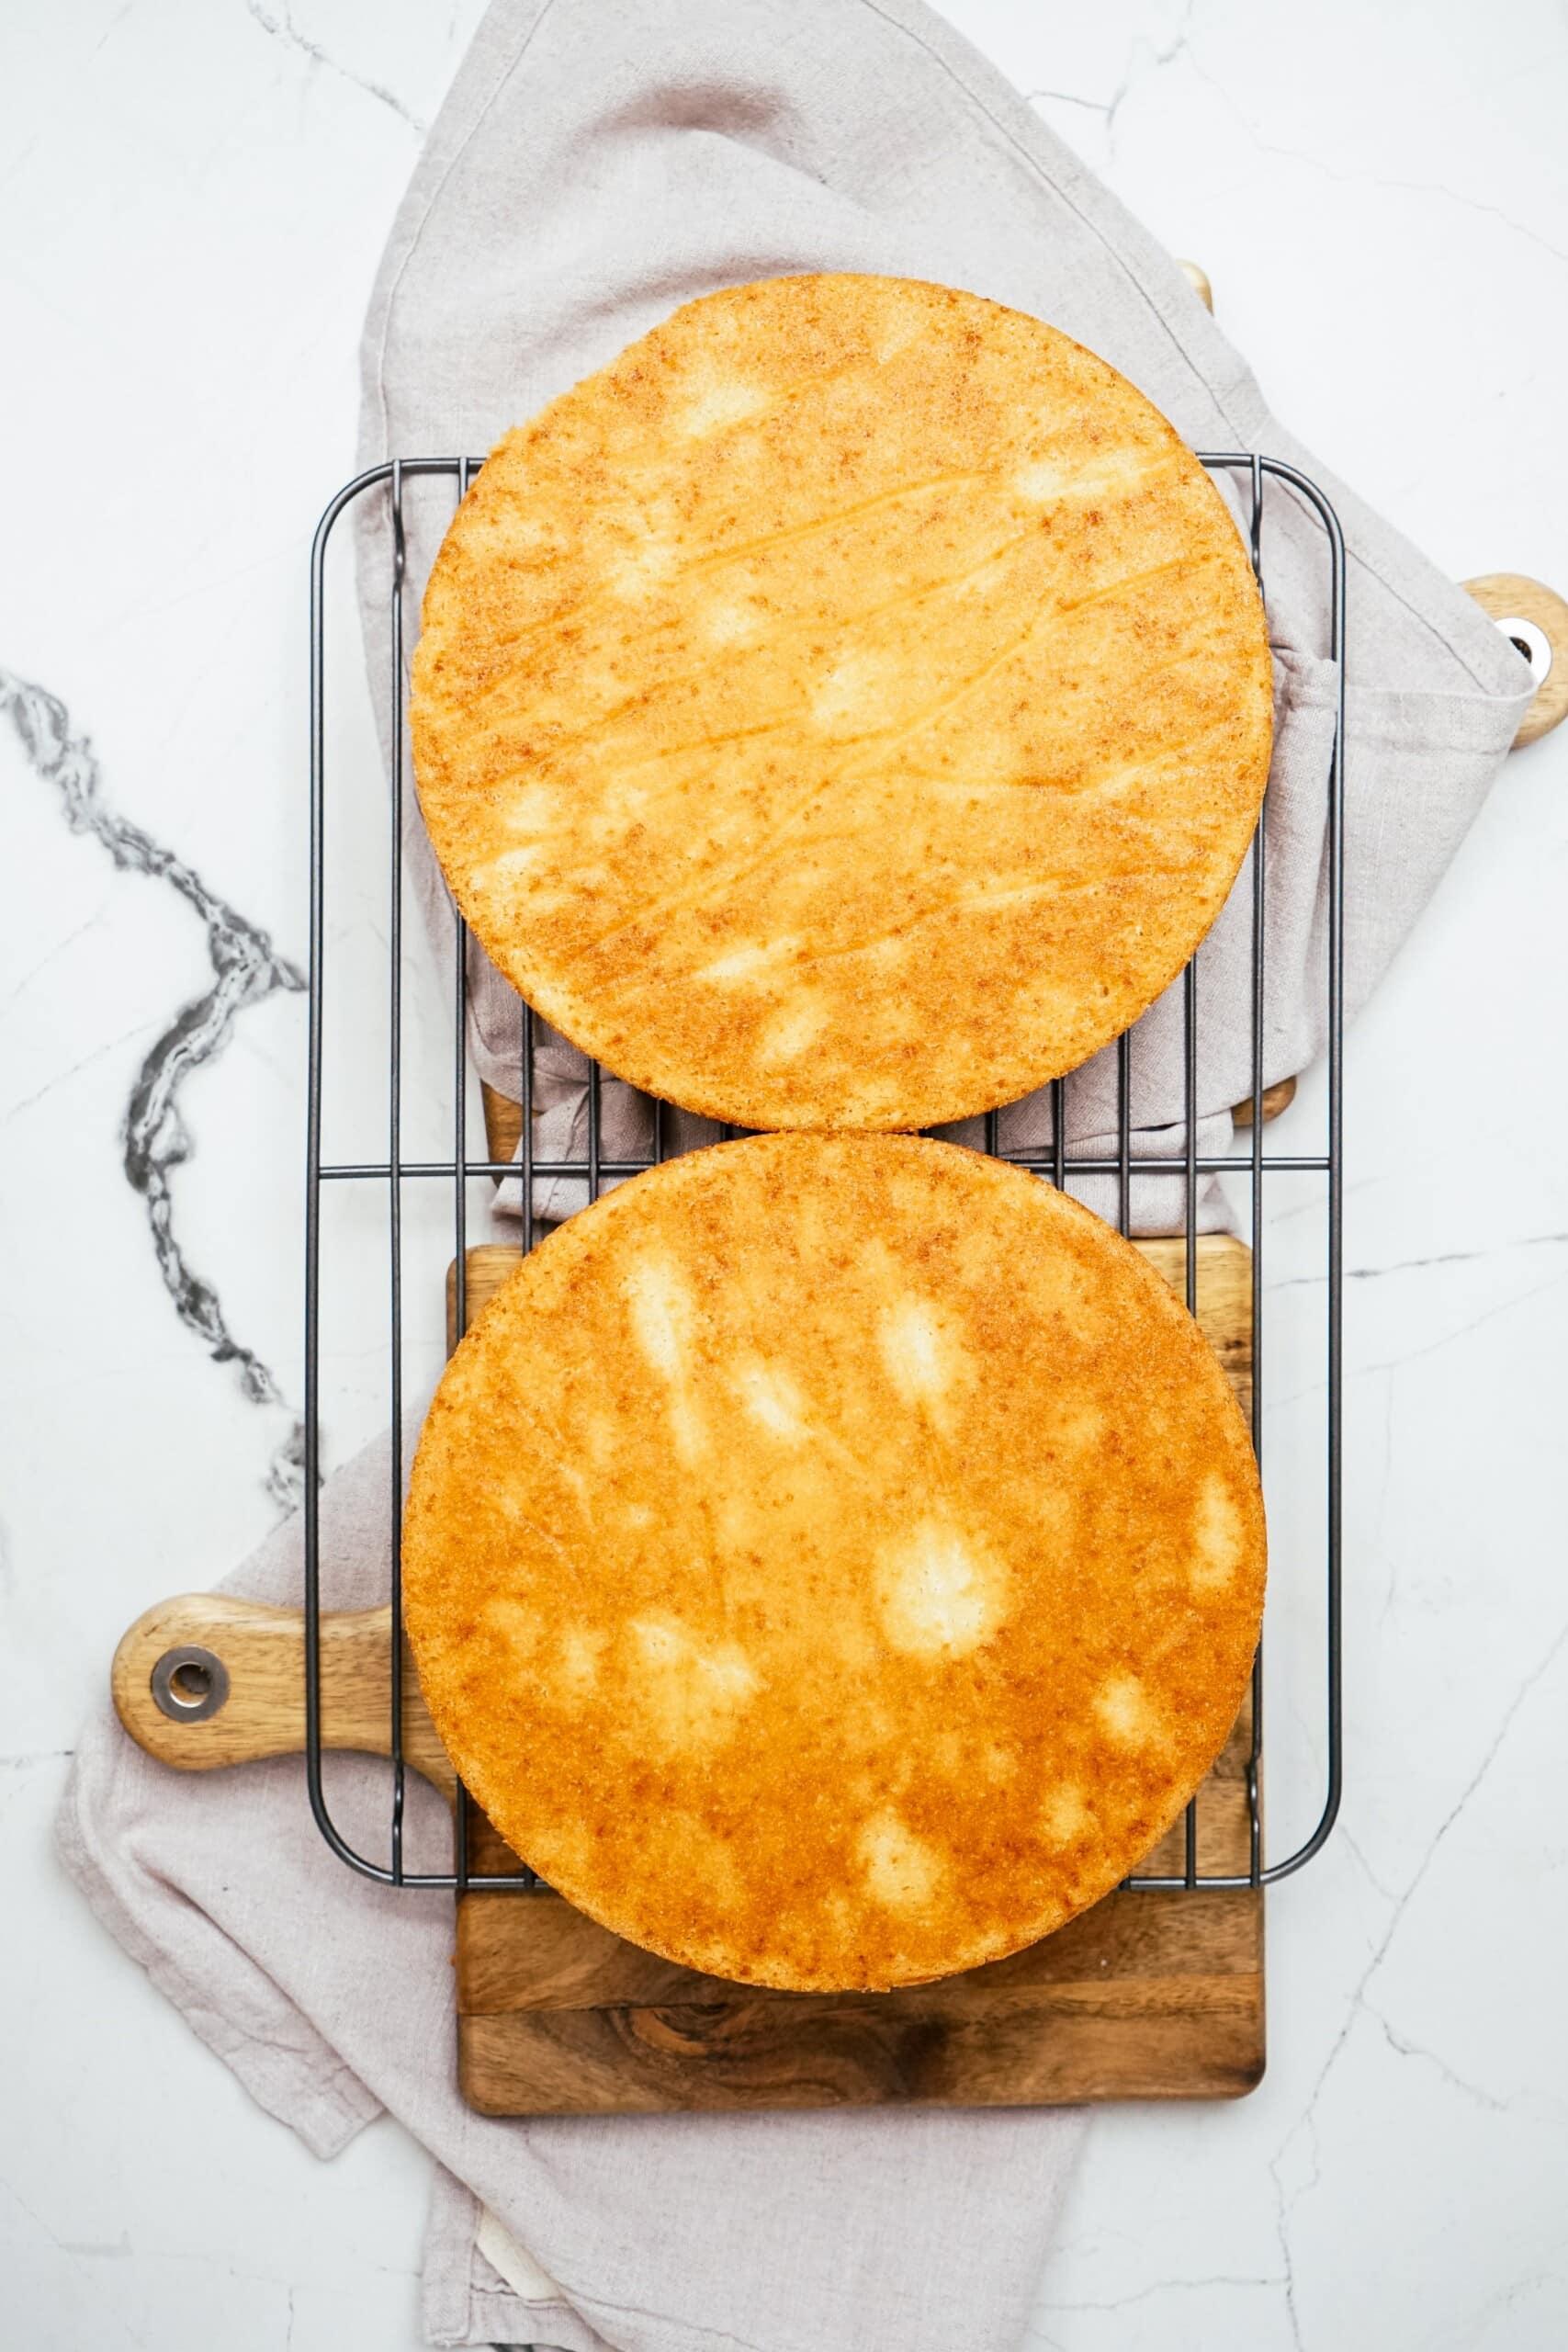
point(833, 1561)
point(851, 707)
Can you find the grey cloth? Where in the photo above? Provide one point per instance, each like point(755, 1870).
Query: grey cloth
point(597, 162)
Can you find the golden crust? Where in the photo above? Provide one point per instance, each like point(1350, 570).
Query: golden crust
point(833, 1561)
point(851, 707)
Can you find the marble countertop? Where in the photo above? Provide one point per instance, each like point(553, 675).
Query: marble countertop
point(197, 192)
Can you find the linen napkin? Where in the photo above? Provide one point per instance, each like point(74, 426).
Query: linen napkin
point(597, 162)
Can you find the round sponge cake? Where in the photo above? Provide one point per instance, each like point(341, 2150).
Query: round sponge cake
point(850, 708)
point(833, 1561)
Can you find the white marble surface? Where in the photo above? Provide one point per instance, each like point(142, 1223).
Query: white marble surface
point(197, 192)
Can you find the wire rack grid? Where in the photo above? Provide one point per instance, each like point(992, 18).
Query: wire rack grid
point(1255, 1168)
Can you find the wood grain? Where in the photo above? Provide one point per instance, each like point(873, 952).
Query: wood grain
point(1150, 1994)
point(503, 1121)
point(1111, 2034)
point(575, 1963)
point(264, 1649)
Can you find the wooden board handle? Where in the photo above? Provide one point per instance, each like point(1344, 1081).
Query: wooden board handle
point(1536, 618)
point(209, 1679)
point(1198, 279)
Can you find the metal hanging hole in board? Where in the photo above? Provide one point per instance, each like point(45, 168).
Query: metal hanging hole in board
point(1534, 618)
point(189, 1683)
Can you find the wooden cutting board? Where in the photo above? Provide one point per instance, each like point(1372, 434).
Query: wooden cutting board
point(1148, 1996)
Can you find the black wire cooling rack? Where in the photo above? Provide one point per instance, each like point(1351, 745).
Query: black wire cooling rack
point(1255, 1169)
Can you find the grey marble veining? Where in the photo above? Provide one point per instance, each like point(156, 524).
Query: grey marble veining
point(245, 967)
